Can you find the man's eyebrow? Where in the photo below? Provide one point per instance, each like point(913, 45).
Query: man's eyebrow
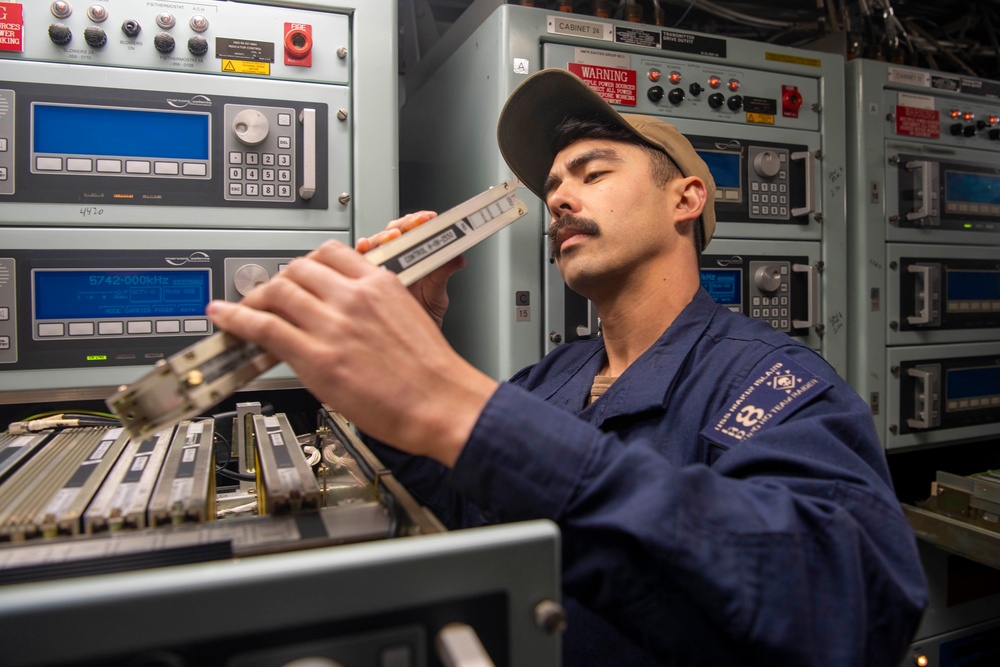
point(579, 161)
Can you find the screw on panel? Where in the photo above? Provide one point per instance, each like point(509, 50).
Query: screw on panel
point(550, 617)
point(344, 198)
point(341, 114)
point(893, 265)
point(894, 370)
point(894, 220)
point(817, 216)
point(342, 52)
point(890, 117)
point(555, 337)
point(893, 160)
point(816, 107)
point(894, 325)
point(893, 429)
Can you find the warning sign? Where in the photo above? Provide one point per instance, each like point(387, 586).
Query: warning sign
point(914, 122)
point(243, 67)
point(615, 85)
point(11, 27)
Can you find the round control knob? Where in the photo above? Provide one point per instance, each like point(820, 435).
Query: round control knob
point(766, 164)
point(994, 134)
point(735, 103)
point(250, 126)
point(249, 276)
point(716, 100)
point(767, 279)
point(198, 45)
point(60, 34)
point(969, 130)
point(655, 94)
point(131, 27)
point(164, 43)
point(695, 89)
point(95, 37)
point(676, 96)
point(955, 129)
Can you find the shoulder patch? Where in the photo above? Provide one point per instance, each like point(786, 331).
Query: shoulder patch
point(765, 402)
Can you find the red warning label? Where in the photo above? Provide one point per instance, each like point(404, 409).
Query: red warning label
point(11, 27)
point(616, 86)
point(915, 122)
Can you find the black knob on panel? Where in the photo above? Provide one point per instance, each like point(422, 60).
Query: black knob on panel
point(95, 37)
point(131, 28)
point(956, 129)
point(60, 34)
point(735, 102)
point(655, 94)
point(198, 45)
point(164, 43)
point(969, 130)
point(716, 100)
point(695, 89)
point(994, 134)
point(676, 96)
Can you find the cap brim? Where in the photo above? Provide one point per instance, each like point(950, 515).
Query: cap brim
point(534, 110)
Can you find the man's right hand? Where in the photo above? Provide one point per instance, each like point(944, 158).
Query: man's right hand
point(432, 290)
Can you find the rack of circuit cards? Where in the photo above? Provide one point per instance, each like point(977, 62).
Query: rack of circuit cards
point(96, 499)
point(200, 376)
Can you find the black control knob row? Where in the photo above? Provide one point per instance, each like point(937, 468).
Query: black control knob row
point(164, 43)
point(95, 37)
point(716, 100)
point(735, 102)
point(60, 34)
point(676, 96)
point(655, 94)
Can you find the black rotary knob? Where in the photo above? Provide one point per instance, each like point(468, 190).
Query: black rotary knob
point(198, 45)
point(696, 89)
point(955, 129)
point(969, 130)
point(95, 37)
point(60, 34)
point(655, 94)
point(735, 103)
point(994, 134)
point(716, 100)
point(164, 43)
point(676, 96)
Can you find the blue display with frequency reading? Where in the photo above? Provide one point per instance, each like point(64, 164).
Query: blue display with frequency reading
point(98, 294)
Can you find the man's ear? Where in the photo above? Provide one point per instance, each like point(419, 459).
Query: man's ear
point(691, 200)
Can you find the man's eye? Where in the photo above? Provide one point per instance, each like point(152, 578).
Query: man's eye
point(592, 176)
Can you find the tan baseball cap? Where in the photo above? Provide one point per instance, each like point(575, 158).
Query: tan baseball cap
point(545, 99)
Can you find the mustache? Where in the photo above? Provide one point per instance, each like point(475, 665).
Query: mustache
point(578, 224)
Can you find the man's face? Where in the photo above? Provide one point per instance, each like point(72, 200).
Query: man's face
point(609, 218)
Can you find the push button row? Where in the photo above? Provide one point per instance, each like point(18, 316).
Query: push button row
point(82, 165)
point(119, 328)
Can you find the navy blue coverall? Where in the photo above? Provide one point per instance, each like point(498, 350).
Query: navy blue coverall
point(725, 502)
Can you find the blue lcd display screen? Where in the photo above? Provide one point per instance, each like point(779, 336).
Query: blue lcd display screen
point(973, 382)
point(973, 285)
point(95, 294)
point(725, 286)
point(725, 168)
point(963, 186)
point(77, 130)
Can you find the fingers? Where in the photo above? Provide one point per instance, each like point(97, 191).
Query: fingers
point(269, 331)
point(394, 229)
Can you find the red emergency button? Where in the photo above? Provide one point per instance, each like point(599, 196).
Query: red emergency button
point(298, 44)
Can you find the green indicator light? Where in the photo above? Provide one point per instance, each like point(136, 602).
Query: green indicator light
point(97, 357)
point(967, 226)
